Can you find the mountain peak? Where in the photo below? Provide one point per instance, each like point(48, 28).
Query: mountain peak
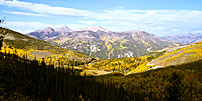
point(63, 29)
point(133, 31)
point(47, 29)
point(95, 29)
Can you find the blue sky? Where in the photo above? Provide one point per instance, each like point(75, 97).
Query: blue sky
point(160, 17)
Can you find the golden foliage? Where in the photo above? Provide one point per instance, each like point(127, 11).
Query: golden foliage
point(124, 65)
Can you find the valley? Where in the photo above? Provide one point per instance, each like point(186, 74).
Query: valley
point(102, 43)
point(155, 71)
point(100, 50)
point(35, 49)
point(154, 52)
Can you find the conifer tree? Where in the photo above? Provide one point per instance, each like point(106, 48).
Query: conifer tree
point(174, 88)
point(1, 41)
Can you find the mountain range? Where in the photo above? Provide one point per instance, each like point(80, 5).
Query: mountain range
point(102, 43)
point(49, 32)
point(184, 38)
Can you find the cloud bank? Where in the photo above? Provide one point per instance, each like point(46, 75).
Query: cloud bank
point(155, 21)
point(24, 13)
point(38, 25)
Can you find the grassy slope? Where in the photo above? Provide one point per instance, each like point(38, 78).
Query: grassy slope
point(35, 47)
point(190, 53)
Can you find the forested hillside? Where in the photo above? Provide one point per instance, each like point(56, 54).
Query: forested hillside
point(173, 83)
point(22, 79)
point(121, 65)
point(38, 49)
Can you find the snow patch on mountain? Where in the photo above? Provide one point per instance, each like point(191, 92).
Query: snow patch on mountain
point(95, 29)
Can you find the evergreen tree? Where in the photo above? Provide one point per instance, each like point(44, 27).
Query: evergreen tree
point(43, 64)
point(1, 41)
point(174, 88)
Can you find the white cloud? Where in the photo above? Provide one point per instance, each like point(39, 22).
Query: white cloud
point(24, 13)
point(146, 16)
point(45, 9)
point(31, 24)
point(26, 24)
point(154, 21)
point(88, 22)
point(23, 31)
point(25, 27)
point(76, 26)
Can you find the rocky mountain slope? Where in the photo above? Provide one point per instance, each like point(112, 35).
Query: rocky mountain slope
point(49, 32)
point(184, 38)
point(102, 43)
point(37, 49)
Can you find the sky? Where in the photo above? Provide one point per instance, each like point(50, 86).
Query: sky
point(159, 17)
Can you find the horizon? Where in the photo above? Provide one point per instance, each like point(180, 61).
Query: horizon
point(167, 17)
point(88, 28)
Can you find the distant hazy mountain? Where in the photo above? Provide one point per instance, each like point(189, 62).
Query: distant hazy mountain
point(179, 55)
point(184, 38)
point(102, 43)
